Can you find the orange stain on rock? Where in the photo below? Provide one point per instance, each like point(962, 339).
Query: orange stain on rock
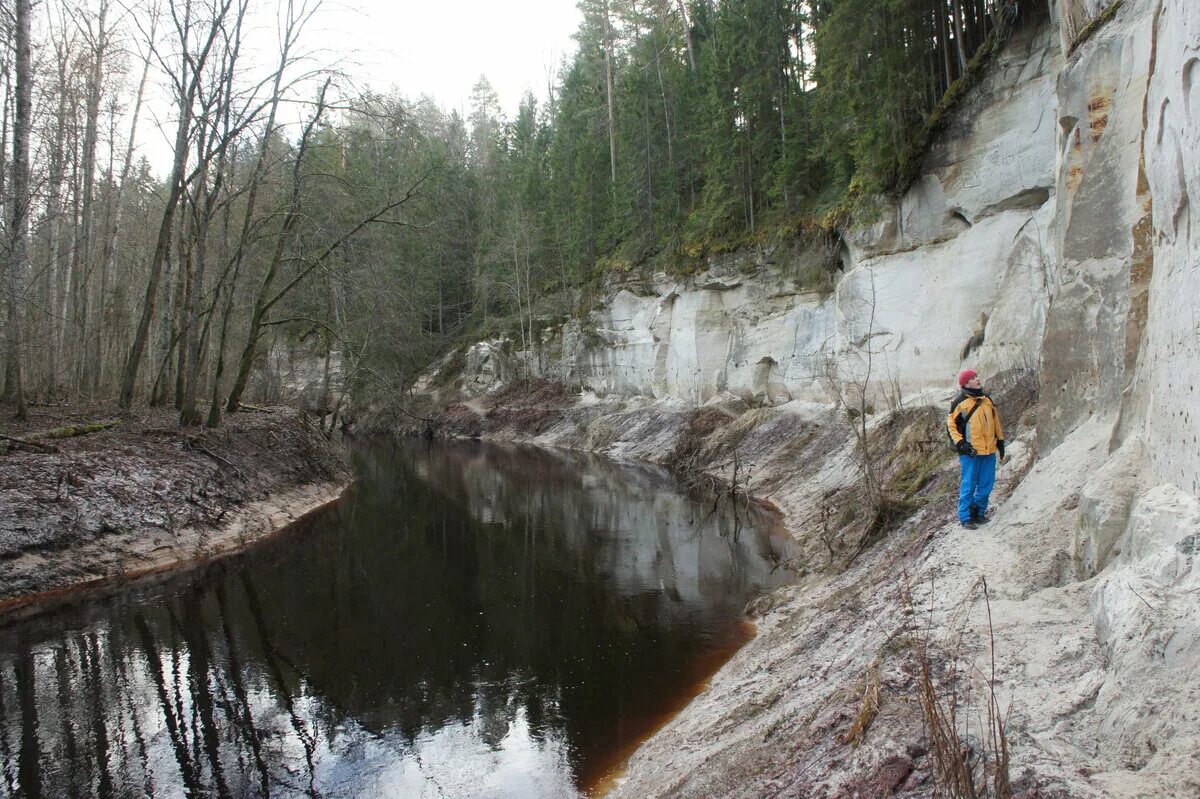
point(1098, 115)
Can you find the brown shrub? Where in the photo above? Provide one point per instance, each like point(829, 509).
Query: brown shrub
point(703, 422)
point(459, 420)
point(527, 406)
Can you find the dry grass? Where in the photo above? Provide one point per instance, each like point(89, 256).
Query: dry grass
point(962, 769)
point(688, 456)
point(868, 707)
point(726, 438)
point(528, 406)
point(599, 434)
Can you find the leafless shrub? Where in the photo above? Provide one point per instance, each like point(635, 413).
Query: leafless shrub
point(528, 405)
point(963, 769)
point(686, 459)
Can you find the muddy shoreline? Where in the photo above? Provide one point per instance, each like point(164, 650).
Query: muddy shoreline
point(144, 498)
point(250, 526)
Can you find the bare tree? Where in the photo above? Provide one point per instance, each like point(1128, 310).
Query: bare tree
point(98, 39)
point(268, 297)
point(116, 209)
point(20, 206)
point(215, 137)
point(195, 39)
point(294, 20)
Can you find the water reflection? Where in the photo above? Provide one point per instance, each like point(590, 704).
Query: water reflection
point(471, 621)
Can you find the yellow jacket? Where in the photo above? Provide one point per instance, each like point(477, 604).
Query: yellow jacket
point(983, 429)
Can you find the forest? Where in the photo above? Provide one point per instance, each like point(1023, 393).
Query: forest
point(298, 207)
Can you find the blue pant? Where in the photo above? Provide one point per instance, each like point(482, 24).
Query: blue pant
point(978, 477)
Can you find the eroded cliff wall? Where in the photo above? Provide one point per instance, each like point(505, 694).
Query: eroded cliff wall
point(960, 269)
point(1050, 232)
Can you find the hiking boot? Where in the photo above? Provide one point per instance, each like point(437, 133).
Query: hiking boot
point(981, 520)
point(971, 525)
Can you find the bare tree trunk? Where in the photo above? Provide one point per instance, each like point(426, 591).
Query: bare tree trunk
point(191, 74)
point(291, 30)
point(113, 237)
point(87, 209)
point(213, 141)
point(161, 253)
point(944, 35)
point(78, 297)
point(687, 34)
point(21, 196)
point(189, 349)
point(166, 338)
point(54, 230)
point(183, 295)
point(959, 44)
point(608, 79)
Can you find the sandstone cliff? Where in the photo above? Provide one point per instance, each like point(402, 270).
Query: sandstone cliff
point(1048, 240)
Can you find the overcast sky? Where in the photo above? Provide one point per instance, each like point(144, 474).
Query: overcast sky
point(441, 47)
point(434, 47)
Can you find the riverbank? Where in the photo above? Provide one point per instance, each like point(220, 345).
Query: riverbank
point(893, 618)
point(141, 495)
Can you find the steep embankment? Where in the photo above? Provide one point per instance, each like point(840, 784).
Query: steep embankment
point(1049, 244)
point(144, 495)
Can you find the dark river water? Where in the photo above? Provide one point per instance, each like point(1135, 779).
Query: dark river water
point(471, 621)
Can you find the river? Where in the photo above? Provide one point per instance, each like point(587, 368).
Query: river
point(471, 620)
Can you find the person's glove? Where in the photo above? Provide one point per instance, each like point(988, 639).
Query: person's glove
point(1000, 447)
point(964, 447)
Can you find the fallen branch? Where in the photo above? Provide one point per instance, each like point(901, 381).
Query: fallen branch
point(27, 444)
point(193, 443)
point(71, 431)
point(32, 441)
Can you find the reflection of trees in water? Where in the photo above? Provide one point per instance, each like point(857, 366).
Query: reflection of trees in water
point(150, 699)
point(402, 615)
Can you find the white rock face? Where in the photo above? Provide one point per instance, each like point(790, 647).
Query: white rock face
point(1105, 504)
point(956, 272)
point(1147, 618)
point(299, 374)
point(1052, 229)
point(1100, 192)
point(1164, 399)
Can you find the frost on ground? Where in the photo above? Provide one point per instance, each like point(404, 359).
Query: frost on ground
point(145, 493)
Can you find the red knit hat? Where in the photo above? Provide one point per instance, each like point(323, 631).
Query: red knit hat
point(965, 376)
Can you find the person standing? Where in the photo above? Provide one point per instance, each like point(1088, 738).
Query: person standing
point(974, 427)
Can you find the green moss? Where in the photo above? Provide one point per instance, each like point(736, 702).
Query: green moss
point(1096, 24)
point(937, 120)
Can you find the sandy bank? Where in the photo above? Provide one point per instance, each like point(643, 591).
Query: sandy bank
point(1091, 678)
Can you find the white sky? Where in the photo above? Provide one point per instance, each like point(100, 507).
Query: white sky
point(441, 47)
point(434, 47)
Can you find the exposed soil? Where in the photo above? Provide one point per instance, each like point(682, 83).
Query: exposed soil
point(145, 494)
